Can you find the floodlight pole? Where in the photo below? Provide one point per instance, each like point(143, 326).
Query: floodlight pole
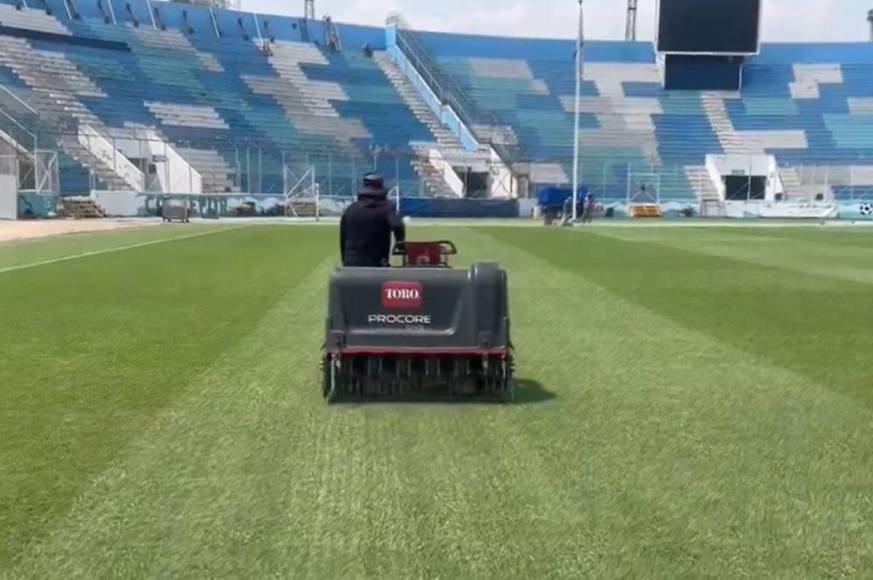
point(578, 75)
point(630, 29)
point(870, 21)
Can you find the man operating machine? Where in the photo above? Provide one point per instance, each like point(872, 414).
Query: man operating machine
point(367, 225)
point(420, 329)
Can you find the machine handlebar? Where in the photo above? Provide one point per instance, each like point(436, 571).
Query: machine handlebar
point(447, 248)
point(425, 254)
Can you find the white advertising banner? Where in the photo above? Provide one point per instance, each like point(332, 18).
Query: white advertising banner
point(780, 210)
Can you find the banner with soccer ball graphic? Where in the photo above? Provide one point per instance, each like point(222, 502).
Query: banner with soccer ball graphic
point(857, 210)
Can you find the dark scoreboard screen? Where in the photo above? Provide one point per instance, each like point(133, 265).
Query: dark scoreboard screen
point(709, 26)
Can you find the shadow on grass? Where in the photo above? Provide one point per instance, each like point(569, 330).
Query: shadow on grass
point(529, 392)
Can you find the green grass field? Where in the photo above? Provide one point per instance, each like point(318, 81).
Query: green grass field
point(691, 403)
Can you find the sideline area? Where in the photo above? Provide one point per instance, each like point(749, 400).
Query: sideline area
point(29, 229)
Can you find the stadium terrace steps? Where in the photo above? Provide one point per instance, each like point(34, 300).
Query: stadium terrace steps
point(225, 97)
point(805, 105)
point(731, 141)
point(82, 208)
point(432, 179)
point(45, 70)
point(315, 96)
point(221, 99)
point(791, 185)
point(170, 40)
point(414, 101)
point(701, 183)
point(31, 19)
point(810, 77)
point(105, 175)
point(55, 84)
point(187, 115)
point(215, 172)
point(620, 134)
point(59, 109)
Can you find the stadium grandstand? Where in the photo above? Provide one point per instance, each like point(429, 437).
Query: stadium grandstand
point(158, 97)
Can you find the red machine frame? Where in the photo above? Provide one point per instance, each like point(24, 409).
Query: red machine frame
point(426, 254)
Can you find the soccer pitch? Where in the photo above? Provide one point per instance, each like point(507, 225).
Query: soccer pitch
point(691, 402)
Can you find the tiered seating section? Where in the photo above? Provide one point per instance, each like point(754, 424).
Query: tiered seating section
point(808, 105)
point(202, 79)
point(234, 111)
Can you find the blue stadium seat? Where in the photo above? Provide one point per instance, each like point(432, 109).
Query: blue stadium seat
point(224, 94)
point(821, 95)
point(207, 86)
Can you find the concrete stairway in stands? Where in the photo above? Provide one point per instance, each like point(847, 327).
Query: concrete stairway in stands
point(431, 177)
point(445, 140)
point(731, 142)
point(414, 101)
point(215, 172)
point(54, 80)
point(701, 183)
point(82, 208)
point(791, 184)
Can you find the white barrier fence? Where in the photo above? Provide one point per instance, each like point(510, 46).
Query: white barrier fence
point(311, 207)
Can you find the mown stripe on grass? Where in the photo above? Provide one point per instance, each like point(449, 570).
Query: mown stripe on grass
point(844, 237)
point(814, 325)
point(810, 254)
point(180, 499)
point(664, 453)
point(686, 456)
point(110, 249)
point(19, 252)
point(94, 349)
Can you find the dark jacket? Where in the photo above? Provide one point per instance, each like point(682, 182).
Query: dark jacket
point(365, 231)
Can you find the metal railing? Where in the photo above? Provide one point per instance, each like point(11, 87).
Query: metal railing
point(447, 88)
point(18, 120)
point(243, 163)
point(816, 182)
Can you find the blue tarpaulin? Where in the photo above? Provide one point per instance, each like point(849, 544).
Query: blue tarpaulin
point(555, 198)
point(458, 208)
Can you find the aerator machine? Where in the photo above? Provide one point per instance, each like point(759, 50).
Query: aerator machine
point(420, 330)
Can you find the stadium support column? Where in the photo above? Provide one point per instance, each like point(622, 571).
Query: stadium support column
point(630, 28)
point(578, 74)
